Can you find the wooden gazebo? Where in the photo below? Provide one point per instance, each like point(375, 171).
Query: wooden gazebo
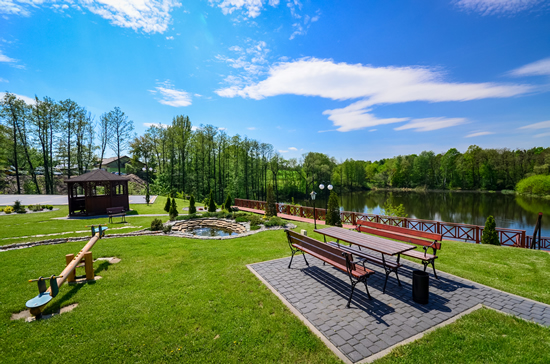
point(94, 192)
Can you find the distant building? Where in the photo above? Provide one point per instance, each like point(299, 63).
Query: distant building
point(111, 164)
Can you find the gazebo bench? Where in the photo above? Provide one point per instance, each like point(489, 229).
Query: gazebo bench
point(407, 236)
point(116, 211)
point(338, 258)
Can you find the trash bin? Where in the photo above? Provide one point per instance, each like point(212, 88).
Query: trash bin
point(421, 287)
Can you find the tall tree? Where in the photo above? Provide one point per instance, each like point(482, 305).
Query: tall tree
point(12, 113)
point(69, 111)
point(121, 129)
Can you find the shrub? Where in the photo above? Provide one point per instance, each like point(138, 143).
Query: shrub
point(254, 227)
point(36, 207)
point(490, 235)
point(270, 206)
point(173, 210)
point(167, 229)
point(187, 217)
point(228, 202)
point(255, 220)
point(274, 221)
point(17, 207)
point(333, 211)
point(535, 185)
point(192, 208)
point(8, 210)
point(156, 225)
point(167, 205)
point(211, 203)
point(241, 219)
point(49, 207)
point(391, 210)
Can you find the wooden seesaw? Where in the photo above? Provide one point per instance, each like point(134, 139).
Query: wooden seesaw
point(36, 305)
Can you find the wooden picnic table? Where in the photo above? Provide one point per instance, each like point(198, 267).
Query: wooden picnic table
point(374, 243)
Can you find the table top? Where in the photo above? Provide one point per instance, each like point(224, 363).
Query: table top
point(378, 244)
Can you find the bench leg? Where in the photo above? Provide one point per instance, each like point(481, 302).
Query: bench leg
point(293, 252)
point(433, 267)
point(367, 289)
point(386, 281)
point(304, 255)
point(351, 294)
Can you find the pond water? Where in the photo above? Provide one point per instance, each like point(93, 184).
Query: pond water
point(210, 231)
point(510, 211)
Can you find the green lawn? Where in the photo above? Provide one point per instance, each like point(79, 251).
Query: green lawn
point(484, 336)
point(170, 293)
point(158, 206)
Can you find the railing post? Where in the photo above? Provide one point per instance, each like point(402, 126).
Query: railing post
point(301, 211)
point(522, 239)
point(477, 237)
point(353, 218)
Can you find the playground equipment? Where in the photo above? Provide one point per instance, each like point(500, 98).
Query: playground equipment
point(36, 305)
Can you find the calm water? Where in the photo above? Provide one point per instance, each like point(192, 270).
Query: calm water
point(510, 211)
point(210, 231)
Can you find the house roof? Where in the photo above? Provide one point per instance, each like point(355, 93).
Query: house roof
point(97, 175)
point(112, 159)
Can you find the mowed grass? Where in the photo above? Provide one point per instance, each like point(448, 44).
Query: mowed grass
point(484, 336)
point(158, 206)
point(169, 299)
point(174, 299)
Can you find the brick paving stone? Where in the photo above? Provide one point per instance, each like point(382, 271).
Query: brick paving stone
point(320, 293)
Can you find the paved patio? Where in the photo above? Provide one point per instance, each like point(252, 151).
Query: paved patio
point(319, 293)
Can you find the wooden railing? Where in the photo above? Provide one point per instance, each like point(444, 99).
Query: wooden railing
point(451, 230)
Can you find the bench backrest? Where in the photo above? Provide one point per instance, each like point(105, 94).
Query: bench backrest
point(325, 250)
point(115, 210)
point(400, 233)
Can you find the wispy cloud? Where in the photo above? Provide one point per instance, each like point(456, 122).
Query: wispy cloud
point(538, 68)
point(150, 16)
point(371, 85)
point(541, 125)
point(170, 95)
point(251, 8)
point(292, 148)
point(252, 128)
point(302, 26)
point(478, 133)
point(489, 7)
point(6, 59)
point(3, 80)
point(283, 151)
point(159, 125)
point(429, 124)
point(373, 130)
point(28, 100)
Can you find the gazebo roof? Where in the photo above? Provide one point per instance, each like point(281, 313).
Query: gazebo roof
point(98, 175)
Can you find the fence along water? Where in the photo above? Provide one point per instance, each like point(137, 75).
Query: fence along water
point(451, 230)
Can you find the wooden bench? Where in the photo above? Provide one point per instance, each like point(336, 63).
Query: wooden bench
point(389, 264)
point(408, 236)
point(338, 258)
point(116, 211)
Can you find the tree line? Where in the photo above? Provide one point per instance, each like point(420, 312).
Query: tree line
point(48, 138)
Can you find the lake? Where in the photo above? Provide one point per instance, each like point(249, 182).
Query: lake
point(510, 211)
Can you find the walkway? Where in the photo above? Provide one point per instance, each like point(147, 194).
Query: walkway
point(318, 294)
point(291, 217)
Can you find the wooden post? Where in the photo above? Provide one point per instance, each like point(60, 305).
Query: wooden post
point(72, 276)
point(89, 266)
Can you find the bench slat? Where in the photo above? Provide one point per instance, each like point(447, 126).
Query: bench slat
point(398, 236)
point(402, 230)
point(367, 256)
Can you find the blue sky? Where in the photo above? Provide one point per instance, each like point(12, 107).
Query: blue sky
point(353, 79)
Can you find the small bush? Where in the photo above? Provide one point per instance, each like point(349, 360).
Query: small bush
point(167, 229)
point(156, 225)
point(241, 219)
point(255, 220)
point(239, 214)
point(508, 192)
point(254, 227)
point(49, 207)
point(535, 185)
point(490, 235)
point(211, 202)
point(274, 221)
point(192, 208)
point(8, 210)
point(187, 217)
point(173, 210)
point(167, 205)
point(17, 207)
point(333, 212)
point(36, 207)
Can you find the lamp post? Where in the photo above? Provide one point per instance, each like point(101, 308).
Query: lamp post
point(313, 199)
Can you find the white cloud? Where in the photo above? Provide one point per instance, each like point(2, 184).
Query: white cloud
point(151, 16)
point(538, 68)
point(283, 151)
point(4, 58)
point(541, 125)
point(195, 128)
point(171, 96)
point(489, 7)
point(251, 128)
point(292, 148)
point(3, 80)
point(430, 124)
point(28, 100)
point(252, 8)
point(542, 135)
point(170, 38)
point(370, 131)
point(157, 125)
point(371, 85)
point(222, 129)
point(301, 27)
point(479, 133)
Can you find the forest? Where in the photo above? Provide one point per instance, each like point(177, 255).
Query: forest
point(49, 140)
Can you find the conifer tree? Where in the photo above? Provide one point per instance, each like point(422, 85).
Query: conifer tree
point(211, 203)
point(490, 235)
point(227, 204)
point(192, 208)
point(167, 205)
point(173, 210)
point(333, 212)
point(270, 206)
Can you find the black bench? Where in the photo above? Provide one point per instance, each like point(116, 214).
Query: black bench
point(338, 258)
point(389, 264)
point(407, 236)
point(116, 211)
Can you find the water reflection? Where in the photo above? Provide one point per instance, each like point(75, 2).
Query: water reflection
point(510, 211)
point(210, 231)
